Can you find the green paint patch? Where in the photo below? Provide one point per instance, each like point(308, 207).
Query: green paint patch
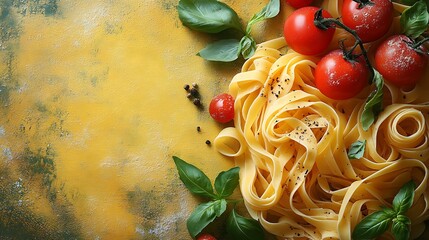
point(112, 28)
point(41, 163)
point(159, 217)
point(45, 7)
point(19, 221)
point(51, 8)
point(169, 5)
point(4, 95)
point(147, 204)
point(16, 219)
point(41, 107)
point(8, 80)
point(96, 76)
point(43, 122)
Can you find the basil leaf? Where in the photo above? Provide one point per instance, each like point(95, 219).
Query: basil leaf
point(226, 50)
point(414, 20)
point(203, 215)
point(243, 228)
point(372, 225)
point(409, 2)
point(400, 227)
point(194, 179)
point(248, 46)
point(357, 149)
point(226, 182)
point(271, 10)
point(373, 105)
point(404, 199)
point(210, 16)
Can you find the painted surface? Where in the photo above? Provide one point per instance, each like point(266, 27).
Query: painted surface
point(92, 108)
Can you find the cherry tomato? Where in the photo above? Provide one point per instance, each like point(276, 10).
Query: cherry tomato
point(371, 21)
point(399, 63)
point(299, 3)
point(338, 78)
point(206, 236)
point(303, 36)
point(222, 108)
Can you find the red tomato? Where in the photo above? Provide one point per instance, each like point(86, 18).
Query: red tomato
point(299, 3)
point(338, 78)
point(206, 236)
point(222, 108)
point(371, 21)
point(399, 63)
point(303, 36)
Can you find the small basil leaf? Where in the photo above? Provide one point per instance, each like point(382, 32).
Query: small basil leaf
point(203, 215)
point(374, 102)
point(414, 20)
point(194, 179)
point(271, 10)
point(401, 227)
point(210, 16)
point(404, 199)
point(226, 182)
point(243, 228)
point(226, 50)
point(357, 149)
point(372, 225)
point(248, 46)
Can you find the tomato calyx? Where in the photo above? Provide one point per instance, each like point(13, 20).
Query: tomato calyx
point(349, 54)
point(363, 3)
point(322, 22)
point(416, 46)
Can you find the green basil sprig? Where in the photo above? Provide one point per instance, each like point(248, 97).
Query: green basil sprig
point(415, 19)
point(374, 103)
point(212, 16)
point(225, 183)
point(357, 149)
point(378, 222)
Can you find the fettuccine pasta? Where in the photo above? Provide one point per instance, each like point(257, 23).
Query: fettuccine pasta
point(291, 143)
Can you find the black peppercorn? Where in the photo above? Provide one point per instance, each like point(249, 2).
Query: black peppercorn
point(197, 101)
point(194, 92)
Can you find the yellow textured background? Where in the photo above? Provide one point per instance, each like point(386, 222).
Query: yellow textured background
point(93, 109)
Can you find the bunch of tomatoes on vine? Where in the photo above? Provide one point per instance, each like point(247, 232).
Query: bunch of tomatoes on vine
point(343, 73)
point(400, 59)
